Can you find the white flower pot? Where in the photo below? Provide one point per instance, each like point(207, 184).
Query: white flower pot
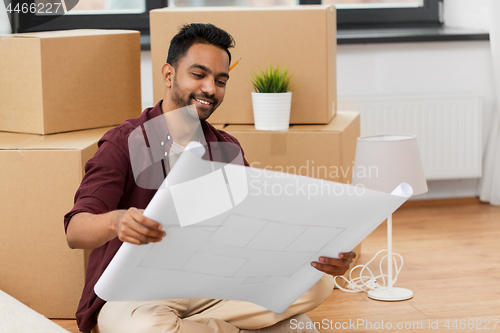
point(271, 111)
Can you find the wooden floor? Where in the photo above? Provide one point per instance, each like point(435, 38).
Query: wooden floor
point(451, 251)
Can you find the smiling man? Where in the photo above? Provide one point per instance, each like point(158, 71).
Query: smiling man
point(199, 78)
point(109, 203)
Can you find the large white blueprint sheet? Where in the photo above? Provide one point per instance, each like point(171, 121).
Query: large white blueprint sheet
point(234, 232)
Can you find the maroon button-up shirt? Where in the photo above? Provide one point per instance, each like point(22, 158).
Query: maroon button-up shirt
point(109, 184)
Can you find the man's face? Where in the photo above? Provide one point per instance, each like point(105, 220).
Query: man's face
point(200, 79)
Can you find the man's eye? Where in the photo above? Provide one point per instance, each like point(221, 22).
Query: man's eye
point(221, 83)
point(198, 75)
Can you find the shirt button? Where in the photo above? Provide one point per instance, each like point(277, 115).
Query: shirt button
point(162, 143)
point(165, 153)
point(168, 137)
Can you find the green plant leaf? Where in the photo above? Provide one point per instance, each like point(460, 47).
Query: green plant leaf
point(273, 80)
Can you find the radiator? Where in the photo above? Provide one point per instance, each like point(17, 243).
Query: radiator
point(448, 129)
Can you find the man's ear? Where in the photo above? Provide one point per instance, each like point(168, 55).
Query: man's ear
point(168, 74)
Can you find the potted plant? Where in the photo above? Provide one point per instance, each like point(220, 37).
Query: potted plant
point(272, 99)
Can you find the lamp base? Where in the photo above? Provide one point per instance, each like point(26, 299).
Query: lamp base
point(397, 294)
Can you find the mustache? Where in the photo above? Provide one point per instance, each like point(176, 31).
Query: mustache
point(211, 99)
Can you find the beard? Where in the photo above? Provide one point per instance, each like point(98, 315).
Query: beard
point(180, 102)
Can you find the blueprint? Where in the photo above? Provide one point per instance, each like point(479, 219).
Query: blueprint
point(235, 232)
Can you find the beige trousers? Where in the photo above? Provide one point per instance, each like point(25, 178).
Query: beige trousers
point(202, 315)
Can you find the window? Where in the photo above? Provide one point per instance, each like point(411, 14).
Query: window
point(88, 14)
point(385, 13)
point(133, 14)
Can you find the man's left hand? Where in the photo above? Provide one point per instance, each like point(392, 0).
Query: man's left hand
point(335, 266)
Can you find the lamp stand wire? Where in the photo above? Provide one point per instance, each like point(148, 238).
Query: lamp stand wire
point(390, 293)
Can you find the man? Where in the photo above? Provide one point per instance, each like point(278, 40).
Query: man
point(109, 203)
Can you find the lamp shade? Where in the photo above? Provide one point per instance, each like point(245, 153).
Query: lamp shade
point(384, 161)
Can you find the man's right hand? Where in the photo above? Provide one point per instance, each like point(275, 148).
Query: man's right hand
point(133, 227)
point(90, 231)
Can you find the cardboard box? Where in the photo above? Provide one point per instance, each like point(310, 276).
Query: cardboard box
point(267, 35)
point(61, 81)
point(218, 126)
point(40, 176)
point(318, 151)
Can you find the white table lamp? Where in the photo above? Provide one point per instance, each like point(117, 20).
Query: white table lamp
point(383, 162)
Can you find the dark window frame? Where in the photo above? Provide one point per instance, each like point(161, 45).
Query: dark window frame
point(367, 18)
point(429, 15)
point(98, 21)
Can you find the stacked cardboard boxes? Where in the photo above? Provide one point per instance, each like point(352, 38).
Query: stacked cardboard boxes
point(265, 35)
point(59, 93)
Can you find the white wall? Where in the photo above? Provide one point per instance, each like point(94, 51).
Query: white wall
point(421, 69)
point(427, 68)
point(147, 79)
point(4, 21)
point(471, 14)
point(413, 68)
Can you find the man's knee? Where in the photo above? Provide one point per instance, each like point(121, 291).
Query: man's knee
point(319, 292)
point(147, 318)
point(324, 288)
point(155, 318)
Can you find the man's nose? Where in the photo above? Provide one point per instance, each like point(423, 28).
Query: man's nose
point(208, 87)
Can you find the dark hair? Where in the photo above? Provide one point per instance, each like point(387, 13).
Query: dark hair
point(193, 33)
